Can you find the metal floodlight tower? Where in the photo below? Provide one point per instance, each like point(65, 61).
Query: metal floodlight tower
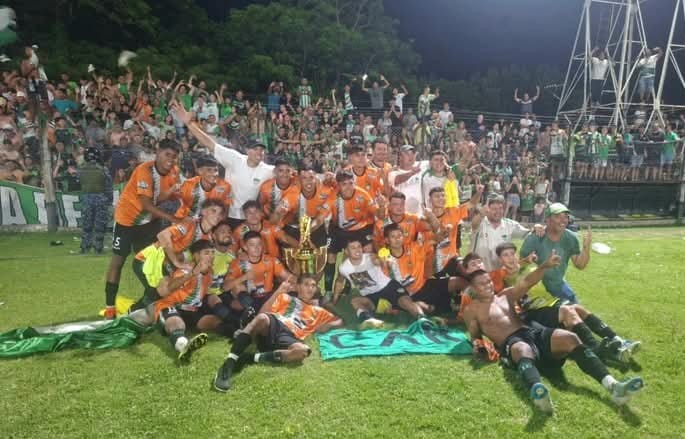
point(617, 27)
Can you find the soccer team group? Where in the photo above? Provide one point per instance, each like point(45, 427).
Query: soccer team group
point(218, 266)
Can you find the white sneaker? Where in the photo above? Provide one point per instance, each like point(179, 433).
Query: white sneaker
point(372, 323)
point(623, 391)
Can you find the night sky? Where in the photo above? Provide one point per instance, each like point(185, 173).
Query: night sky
point(457, 38)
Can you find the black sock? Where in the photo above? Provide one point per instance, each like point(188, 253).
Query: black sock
point(364, 315)
point(111, 290)
point(585, 335)
point(269, 357)
point(529, 373)
point(329, 274)
point(241, 341)
point(589, 362)
point(599, 327)
point(175, 335)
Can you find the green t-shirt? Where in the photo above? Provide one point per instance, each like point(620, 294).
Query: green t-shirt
point(567, 246)
point(186, 100)
point(669, 146)
point(528, 201)
point(603, 146)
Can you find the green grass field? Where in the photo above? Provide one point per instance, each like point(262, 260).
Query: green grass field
point(141, 392)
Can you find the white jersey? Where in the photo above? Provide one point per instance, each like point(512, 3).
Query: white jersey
point(599, 69)
point(245, 181)
point(367, 277)
point(410, 188)
point(429, 181)
point(486, 239)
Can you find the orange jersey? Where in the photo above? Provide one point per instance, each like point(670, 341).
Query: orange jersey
point(409, 268)
point(270, 195)
point(189, 297)
point(264, 272)
point(270, 236)
point(446, 249)
point(319, 204)
point(356, 212)
point(410, 224)
point(192, 196)
point(301, 318)
point(183, 235)
point(371, 180)
point(147, 182)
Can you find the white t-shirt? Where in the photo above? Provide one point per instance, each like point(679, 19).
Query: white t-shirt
point(486, 238)
point(245, 181)
point(366, 277)
point(411, 188)
point(399, 101)
point(599, 68)
point(428, 182)
point(444, 116)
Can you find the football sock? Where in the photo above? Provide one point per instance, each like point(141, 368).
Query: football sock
point(111, 290)
point(529, 373)
point(599, 327)
point(589, 362)
point(268, 357)
point(175, 335)
point(329, 274)
point(585, 335)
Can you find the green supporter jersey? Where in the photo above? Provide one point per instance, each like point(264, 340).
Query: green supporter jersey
point(669, 146)
point(537, 297)
point(603, 143)
point(186, 100)
point(566, 247)
point(577, 145)
point(528, 201)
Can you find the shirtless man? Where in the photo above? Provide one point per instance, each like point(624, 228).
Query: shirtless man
point(525, 347)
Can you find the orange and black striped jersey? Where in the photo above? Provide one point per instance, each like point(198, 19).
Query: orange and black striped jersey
point(301, 318)
point(270, 236)
point(319, 204)
point(410, 224)
point(189, 297)
point(270, 195)
point(445, 249)
point(192, 196)
point(265, 271)
point(371, 180)
point(409, 268)
point(145, 181)
point(356, 212)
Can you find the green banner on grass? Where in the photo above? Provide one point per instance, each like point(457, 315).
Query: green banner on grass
point(416, 339)
point(21, 205)
point(101, 334)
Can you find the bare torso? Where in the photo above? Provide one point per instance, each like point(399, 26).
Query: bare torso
point(495, 318)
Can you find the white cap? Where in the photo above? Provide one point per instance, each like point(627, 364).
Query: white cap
point(128, 124)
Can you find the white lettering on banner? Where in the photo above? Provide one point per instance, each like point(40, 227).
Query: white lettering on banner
point(11, 207)
point(39, 198)
point(70, 212)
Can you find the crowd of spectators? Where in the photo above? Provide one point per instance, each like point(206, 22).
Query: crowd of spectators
point(126, 116)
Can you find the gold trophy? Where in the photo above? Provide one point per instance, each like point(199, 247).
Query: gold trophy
point(306, 258)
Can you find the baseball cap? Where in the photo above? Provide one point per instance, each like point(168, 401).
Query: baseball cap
point(407, 148)
point(355, 147)
point(254, 143)
point(555, 209)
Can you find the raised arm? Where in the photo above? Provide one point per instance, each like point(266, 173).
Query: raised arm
point(524, 285)
point(516, 95)
point(186, 117)
point(580, 261)
point(404, 89)
point(386, 84)
point(537, 94)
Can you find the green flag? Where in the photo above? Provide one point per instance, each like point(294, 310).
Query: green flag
point(416, 339)
point(102, 334)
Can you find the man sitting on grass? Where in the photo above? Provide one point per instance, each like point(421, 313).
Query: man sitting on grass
point(526, 347)
point(539, 306)
point(186, 303)
point(280, 329)
point(364, 272)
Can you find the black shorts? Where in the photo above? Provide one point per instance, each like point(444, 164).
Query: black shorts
point(392, 292)
point(435, 292)
point(340, 238)
point(136, 238)
point(547, 316)
point(319, 236)
point(190, 318)
point(540, 341)
point(279, 337)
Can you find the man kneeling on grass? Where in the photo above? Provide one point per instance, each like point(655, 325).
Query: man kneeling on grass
point(186, 303)
point(526, 347)
point(280, 328)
